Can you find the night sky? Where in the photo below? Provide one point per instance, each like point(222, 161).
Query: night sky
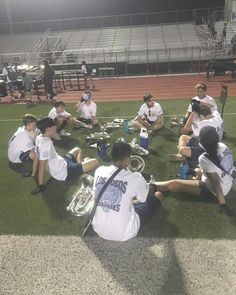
point(23, 10)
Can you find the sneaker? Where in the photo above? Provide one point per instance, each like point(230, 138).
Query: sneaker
point(176, 158)
point(57, 137)
point(63, 133)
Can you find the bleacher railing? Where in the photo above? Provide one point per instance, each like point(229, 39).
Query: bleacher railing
point(126, 60)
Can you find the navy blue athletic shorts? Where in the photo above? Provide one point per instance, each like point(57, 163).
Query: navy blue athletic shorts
point(196, 149)
point(25, 157)
point(74, 169)
point(148, 208)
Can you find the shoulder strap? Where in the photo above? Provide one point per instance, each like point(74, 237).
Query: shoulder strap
point(218, 165)
point(91, 215)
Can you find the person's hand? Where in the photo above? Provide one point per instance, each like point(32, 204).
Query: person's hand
point(39, 189)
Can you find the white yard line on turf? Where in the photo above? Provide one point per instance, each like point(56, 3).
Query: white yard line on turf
point(119, 116)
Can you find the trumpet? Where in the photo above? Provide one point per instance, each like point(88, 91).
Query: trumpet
point(137, 164)
point(83, 199)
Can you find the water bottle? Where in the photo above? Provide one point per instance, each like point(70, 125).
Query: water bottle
point(183, 170)
point(101, 149)
point(152, 179)
point(144, 138)
point(126, 126)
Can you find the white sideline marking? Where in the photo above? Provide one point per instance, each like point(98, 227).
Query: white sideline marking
point(119, 116)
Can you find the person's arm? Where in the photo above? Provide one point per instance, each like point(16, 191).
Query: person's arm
point(187, 114)
point(41, 174)
point(94, 112)
point(215, 183)
point(141, 187)
point(77, 106)
point(4, 72)
point(188, 125)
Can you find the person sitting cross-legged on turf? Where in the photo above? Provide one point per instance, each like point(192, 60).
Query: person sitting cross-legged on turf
point(21, 147)
point(189, 148)
point(212, 181)
point(203, 99)
point(150, 115)
point(62, 118)
point(87, 109)
point(61, 169)
point(116, 217)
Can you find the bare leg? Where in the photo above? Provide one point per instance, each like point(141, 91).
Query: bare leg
point(77, 153)
point(90, 165)
point(136, 124)
point(184, 149)
point(157, 126)
point(179, 185)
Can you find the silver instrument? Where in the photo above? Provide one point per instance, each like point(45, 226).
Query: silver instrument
point(95, 137)
point(137, 164)
point(82, 200)
point(137, 149)
point(110, 125)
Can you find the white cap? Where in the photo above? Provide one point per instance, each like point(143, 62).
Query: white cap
point(85, 96)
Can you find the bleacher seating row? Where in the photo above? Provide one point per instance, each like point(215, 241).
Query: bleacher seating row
point(161, 36)
point(180, 39)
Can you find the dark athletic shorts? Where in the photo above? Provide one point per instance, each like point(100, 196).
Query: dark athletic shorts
point(204, 191)
point(196, 149)
point(74, 168)
point(25, 157)
point(147, 209)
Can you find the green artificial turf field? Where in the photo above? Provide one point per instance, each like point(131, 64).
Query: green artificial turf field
point(181, 215)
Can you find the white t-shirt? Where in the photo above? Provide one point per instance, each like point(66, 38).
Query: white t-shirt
point(21, 142)
point(5, 73)
point(152, 113)
point(207, 166)
point(53, 114)
point(115, 218)
point(56, 165)
point(216, 122)
point(207, 99)
point(88, 111)
point(84, 69)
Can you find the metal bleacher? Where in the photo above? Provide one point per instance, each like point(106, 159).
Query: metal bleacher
point(18, 42)
point(132, 44)
point(133, 39)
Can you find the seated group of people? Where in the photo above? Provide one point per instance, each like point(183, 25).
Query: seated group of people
point(19, 83)
point(25, 146)
point(116, 216)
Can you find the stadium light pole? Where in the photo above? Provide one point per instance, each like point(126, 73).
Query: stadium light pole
point(9, 16)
